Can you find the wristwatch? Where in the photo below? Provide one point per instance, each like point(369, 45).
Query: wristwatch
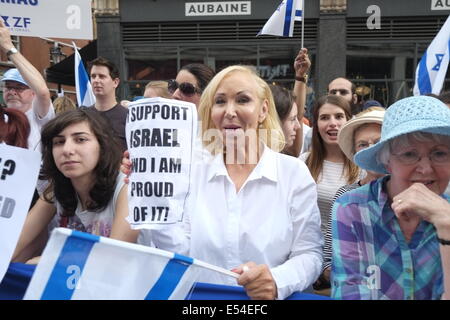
point(11, 52)
point(303, 79)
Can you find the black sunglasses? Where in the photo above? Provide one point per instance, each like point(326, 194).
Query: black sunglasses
point(188, 89)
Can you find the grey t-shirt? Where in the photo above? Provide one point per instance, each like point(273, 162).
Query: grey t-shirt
point(117, 117)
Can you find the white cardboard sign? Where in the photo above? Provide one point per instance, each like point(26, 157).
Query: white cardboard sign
point(19, 170)
point(160, 136)
point(71, 19)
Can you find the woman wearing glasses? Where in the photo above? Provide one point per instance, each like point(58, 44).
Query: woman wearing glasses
point(188, 86)
point(190, 82)
point(391, 237)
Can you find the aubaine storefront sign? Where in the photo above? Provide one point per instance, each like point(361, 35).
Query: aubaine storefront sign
point(440, 4)
point(226, 8)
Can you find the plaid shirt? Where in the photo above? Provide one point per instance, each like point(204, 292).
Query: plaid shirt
point(372, 259)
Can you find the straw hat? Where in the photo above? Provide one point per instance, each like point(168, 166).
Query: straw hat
point(345, 138)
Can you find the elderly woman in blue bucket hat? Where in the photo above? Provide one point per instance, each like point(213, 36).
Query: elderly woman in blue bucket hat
point(391, 237)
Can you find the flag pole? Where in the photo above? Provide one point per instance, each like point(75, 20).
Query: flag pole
point(303, 22)
point(215, 268)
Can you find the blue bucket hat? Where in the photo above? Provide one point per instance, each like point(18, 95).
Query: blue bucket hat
point(412, 114)
point(14, 75)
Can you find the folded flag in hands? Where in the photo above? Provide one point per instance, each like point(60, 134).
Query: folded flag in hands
point(78, 265)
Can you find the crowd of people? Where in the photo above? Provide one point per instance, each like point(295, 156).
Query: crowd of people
point(360, 202)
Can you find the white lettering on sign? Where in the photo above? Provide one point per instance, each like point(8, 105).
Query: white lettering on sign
point(440, 4)
point(229, 8)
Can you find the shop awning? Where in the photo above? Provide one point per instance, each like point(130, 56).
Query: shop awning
point(63, 72)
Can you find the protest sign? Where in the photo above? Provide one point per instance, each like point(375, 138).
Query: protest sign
point(70, 19)
point(160, 136)
point(19, 169)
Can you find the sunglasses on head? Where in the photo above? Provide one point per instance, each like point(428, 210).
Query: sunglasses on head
point(186, 88)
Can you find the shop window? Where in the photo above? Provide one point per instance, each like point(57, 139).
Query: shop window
point(372, 77)
point(147, 70)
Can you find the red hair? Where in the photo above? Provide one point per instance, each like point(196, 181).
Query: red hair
point(14, 127)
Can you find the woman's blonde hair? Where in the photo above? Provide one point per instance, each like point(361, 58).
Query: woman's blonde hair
point(161, 87)
point(273, 137)
point(62, 104)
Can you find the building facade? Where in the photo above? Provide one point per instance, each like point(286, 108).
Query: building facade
point(375, 43)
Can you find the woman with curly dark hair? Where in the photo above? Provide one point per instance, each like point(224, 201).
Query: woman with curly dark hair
point(81, 162)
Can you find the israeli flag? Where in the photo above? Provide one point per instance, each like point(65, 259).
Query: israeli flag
point(77, 265)
point(85, 95)
point(281, 23)
point(431, 70)
point(298, 10)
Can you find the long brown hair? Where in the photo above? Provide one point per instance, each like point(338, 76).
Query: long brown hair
point(106, 170)
point(318, 151)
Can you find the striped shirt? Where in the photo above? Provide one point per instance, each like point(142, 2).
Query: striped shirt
point(331, 178)
point(327, 247)
point(372, 259)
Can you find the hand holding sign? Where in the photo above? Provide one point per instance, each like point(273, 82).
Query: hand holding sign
point(160, 135)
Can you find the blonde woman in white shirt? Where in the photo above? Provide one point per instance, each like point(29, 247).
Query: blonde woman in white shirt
point(251, 209)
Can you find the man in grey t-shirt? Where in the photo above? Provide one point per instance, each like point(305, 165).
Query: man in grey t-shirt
point(105, 79)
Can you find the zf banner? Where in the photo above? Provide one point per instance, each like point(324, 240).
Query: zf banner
point(70, 19)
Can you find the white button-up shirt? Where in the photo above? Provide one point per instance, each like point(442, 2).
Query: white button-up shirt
point(272, 220)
